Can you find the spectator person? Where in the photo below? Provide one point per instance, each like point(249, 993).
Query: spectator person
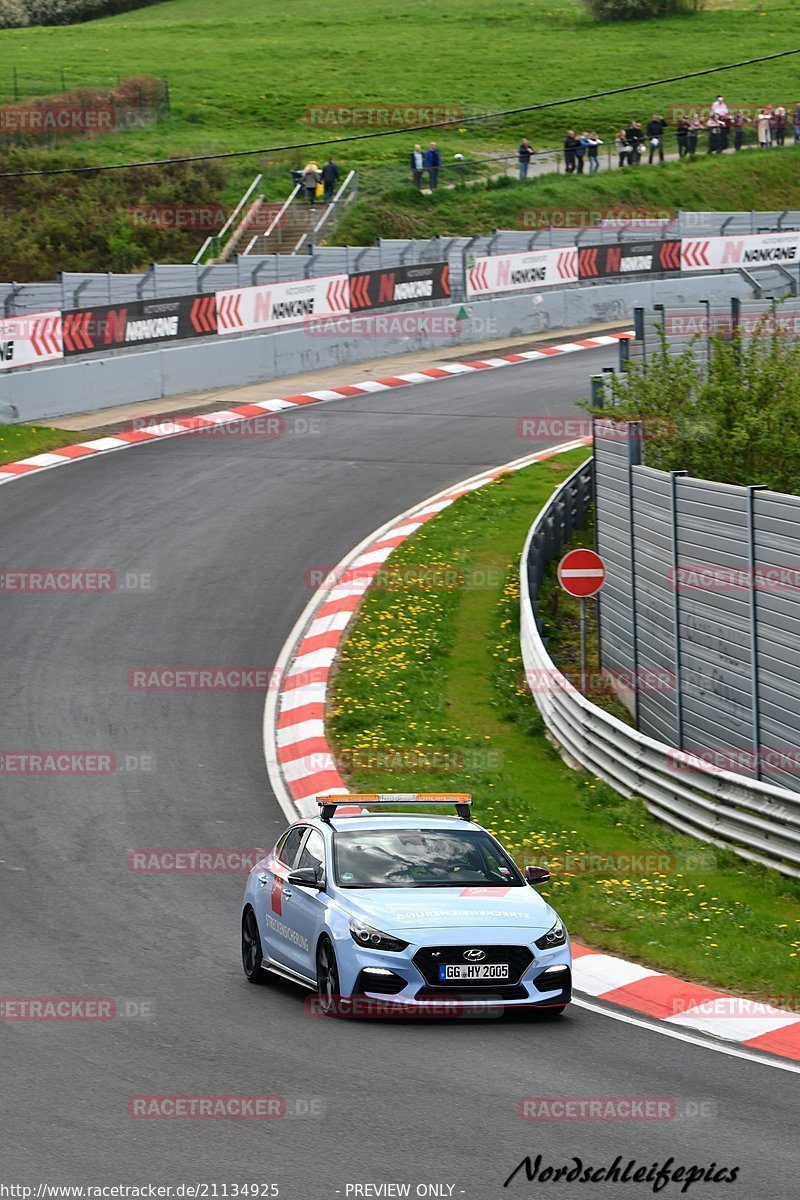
point(623, 149)
point(725, 124)
point(796, 123)
point(524, 155)
point(762, 124)
point(580, 151)
point(592, 152)
point(655, 132)
point(682, 130)
point(771, 115)
point(570, 144)
point(635, 139)
point(433, 165)
point(311, 178)
point(714, 134)
point(739, 122)
point(330, 175)
point(780, 124)
point(719, 108)
point(417, 163)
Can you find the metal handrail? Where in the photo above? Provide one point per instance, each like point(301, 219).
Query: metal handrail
point(217, 238)
point(326, 215)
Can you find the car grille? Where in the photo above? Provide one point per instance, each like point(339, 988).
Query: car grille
point(448, 993)
point(428, 959)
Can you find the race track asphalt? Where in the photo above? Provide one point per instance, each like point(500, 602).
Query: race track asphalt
point(224, 532)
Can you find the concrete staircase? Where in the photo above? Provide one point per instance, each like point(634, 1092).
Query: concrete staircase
point(298, 219)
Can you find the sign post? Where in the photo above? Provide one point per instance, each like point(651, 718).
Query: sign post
point(582, 573)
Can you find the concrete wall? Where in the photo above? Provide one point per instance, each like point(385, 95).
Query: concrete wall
point(125, 377)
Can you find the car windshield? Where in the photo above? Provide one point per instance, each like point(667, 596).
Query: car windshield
point(406, 858)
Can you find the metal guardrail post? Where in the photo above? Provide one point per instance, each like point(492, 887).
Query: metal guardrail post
point(755, 703)
point(638, 330)
point(676, 611)
point(634, 460)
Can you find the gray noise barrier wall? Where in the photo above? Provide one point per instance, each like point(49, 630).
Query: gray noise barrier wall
point(702, 610)
point(127, 376)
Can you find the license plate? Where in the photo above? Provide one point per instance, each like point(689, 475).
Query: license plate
point(459, 971)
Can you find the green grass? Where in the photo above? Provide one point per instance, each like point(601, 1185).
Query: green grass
point(20, 441)
point(429, 686)
point(242, 78)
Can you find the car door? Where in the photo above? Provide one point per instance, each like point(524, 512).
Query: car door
point(273, 923)
point(307, 905)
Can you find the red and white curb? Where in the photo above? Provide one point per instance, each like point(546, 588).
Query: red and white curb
point(300, 766)
point(159, 430)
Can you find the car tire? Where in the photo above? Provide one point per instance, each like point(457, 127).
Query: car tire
point(327, 978)
point(252, 953)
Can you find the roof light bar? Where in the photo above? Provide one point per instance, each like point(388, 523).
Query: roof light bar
point(461, 801)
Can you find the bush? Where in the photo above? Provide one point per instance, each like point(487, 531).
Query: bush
point(91, 222)
point(726, 410)
point(13, 14)
point(639, 10)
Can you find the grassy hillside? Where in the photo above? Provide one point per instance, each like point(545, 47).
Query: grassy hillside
point(242, 77)
point(752, 180)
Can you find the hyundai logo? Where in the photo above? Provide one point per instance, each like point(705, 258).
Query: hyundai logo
point(475, 955)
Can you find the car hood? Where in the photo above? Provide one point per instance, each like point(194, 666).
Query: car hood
point(396, 909)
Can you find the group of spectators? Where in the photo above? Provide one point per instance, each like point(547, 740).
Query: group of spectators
point(724, 129)
point(318, 184)
point(425, 161)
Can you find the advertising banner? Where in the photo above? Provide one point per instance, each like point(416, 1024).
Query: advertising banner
point(389, 287)
point(752, 251)
point(627, 258)
point(28, 341)
point(522, 272)
point(139, 322)
point(275, 304)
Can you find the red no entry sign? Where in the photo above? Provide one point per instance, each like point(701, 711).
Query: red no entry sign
point(581, 573)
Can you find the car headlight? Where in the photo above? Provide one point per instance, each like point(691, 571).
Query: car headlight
point(554, 937)
point(373, 939)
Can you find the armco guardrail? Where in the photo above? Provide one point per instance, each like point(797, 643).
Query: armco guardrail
point(759, 822)
point(264, 306)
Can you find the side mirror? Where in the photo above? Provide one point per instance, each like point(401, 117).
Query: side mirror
point(306, 877)
point(537, 875)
